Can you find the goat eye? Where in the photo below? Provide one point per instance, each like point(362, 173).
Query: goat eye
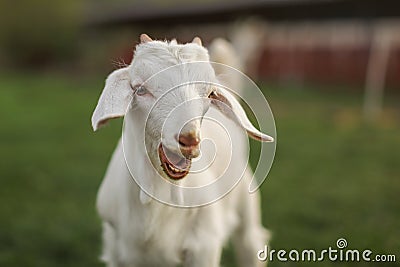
point(141, 90)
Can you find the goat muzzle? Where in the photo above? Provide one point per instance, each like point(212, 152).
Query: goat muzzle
point(189, 144)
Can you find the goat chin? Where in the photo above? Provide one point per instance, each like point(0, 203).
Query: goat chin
point(144, 197)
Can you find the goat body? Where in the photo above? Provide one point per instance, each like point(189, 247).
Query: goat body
point(141, 231)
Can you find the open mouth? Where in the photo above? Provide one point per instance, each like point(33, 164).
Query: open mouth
point(175, 166)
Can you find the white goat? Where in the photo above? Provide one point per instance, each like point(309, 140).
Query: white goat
point(139, 230)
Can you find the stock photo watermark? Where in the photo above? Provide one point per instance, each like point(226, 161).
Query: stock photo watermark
point(339, 253)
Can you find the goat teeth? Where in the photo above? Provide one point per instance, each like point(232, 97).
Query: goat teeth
point(175, 169)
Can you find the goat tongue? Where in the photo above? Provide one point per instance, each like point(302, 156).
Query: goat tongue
point(183, 164)
point(177, 160)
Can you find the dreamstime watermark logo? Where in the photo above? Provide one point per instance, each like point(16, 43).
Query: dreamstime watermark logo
point(182, 95)
point(338, 253)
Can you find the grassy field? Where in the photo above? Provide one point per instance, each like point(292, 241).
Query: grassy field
point(333, 176)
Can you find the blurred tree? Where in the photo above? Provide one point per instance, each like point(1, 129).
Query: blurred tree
point(37, 33)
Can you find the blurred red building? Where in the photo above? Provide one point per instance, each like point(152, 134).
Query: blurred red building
point(303, 41)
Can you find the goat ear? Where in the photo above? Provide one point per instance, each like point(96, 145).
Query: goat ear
point(144, 38)
point(114, 100)
point(197, 40)
point(232, 109)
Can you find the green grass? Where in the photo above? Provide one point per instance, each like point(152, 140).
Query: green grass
point(333, 175)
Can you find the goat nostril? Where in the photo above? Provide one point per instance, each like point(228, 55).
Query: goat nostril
point(181, 143)
point(188, 140)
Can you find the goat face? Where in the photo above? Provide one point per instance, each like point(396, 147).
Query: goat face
point(169, 87)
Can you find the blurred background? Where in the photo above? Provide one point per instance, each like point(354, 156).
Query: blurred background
point(329, 69)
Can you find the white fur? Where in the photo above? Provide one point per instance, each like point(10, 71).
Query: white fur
point(140, 231)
